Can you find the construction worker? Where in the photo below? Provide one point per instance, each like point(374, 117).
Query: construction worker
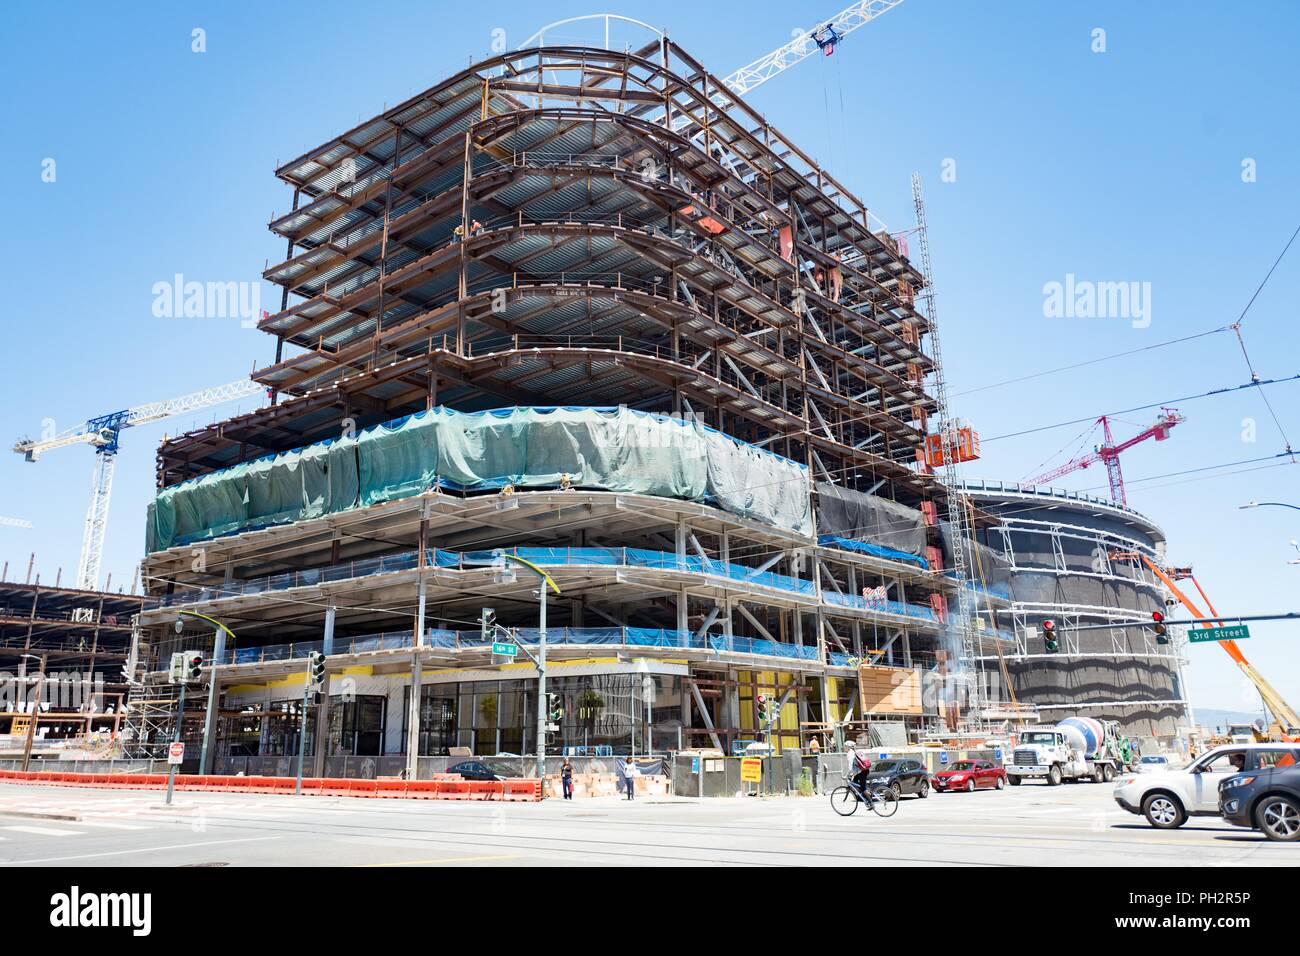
point(458, 234)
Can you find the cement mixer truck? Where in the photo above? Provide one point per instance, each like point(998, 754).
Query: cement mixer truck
point(1077, 748)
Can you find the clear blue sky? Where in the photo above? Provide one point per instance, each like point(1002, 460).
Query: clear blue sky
point(1117, 166)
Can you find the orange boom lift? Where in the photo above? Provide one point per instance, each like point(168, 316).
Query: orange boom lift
point(1286, 722)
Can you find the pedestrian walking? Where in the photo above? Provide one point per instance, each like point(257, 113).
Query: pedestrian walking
point(566, 778)
point(630, 773)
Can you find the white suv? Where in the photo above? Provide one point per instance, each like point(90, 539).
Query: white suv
point(1168, 799)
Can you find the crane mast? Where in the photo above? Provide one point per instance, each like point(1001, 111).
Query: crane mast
point(958, 519)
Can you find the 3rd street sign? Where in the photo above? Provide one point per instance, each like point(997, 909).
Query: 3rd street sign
point(1234, 632)
point(505, 649)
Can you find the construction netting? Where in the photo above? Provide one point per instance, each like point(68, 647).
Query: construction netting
point(606, 449)
point(869, 523)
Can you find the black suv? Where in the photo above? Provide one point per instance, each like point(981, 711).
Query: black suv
point(1266, 799)
point(902, 776)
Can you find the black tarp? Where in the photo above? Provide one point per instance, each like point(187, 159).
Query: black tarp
point(852, 514)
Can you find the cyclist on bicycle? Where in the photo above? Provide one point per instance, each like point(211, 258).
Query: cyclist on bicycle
point(858, 766)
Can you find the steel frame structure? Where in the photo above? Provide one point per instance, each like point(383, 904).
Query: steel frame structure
point(570, 225)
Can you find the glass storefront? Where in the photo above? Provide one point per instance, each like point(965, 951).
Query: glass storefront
point(356, 727)
point(618, 713)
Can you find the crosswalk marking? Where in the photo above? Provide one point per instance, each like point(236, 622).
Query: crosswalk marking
point(45, 831)
point(110, 825)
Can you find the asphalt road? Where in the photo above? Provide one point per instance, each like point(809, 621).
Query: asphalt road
point(1032, 824)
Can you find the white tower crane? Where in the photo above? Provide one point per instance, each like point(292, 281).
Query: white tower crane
point(103, 433)
point(823, 38)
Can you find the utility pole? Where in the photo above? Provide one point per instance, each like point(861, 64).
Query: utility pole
point(36, 710)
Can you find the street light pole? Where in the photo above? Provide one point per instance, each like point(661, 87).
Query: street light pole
point(541, 682)
point(540, 659)
point(1267, 504)
point(36, 711)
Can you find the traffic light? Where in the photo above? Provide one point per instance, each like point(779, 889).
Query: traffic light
point(1050, 643)
point(762, 708)
point(193, 665)
point(1162, 637)
point(554, 708)
point(315, 668)
point(488, 623)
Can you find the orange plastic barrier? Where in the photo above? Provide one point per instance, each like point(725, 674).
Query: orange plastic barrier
point(485, 789)
point(394, 787)
point(335, 787)
point(523, 790)
point(441, 787)
point(454, 789)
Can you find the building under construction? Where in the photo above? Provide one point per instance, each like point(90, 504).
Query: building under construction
point(1066, 557)
point(590, 309)
point(62, 656)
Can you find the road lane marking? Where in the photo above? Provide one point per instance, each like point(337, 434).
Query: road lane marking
point(147, 849)
point(449, 859)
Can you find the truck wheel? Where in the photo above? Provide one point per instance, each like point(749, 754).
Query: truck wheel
point(1098, 775)
point(1054, 776)
point(1279, 817)
point(1163, 811)
point(1013, 780)
point(1108, 773)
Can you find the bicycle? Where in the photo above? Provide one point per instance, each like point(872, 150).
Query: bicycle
point(845, 799)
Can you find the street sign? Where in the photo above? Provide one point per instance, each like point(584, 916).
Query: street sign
point(751, 770)
point(176, 753)
point(1232, 632)
point(505, 649)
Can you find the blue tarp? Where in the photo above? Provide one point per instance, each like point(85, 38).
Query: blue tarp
point(866, 547)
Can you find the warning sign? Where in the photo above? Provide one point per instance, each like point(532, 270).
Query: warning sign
point(751, 770)
point(176, 753)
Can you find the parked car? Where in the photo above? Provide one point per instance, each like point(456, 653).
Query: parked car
point(1266, 799)
point(970, 775)
point(903, 776)
point(1168, 799)
point(478, 770)
point(1153, 763)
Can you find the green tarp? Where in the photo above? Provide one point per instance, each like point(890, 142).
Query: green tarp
point(610, 449)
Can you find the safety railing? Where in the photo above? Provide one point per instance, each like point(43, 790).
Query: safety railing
point(555, 637)
point(471, 560)
point(879, 605)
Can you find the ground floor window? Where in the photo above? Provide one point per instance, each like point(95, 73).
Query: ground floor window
point(615, 713)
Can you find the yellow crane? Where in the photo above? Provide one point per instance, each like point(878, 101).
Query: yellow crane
point(1286, 721)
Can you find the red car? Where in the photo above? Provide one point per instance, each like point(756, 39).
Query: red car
point(971, 775)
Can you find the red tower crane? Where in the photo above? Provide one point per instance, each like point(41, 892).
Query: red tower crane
point(1108, 452)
